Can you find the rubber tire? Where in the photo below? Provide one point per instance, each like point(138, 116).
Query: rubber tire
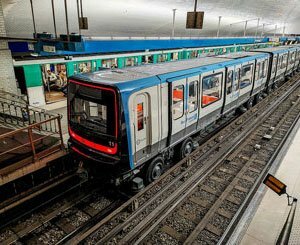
point(184, 152)
point(258, 98)
point(249, 103)
point(269, 90)
point(155, 169)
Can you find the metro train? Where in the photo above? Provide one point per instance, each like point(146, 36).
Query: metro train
point(135, 120)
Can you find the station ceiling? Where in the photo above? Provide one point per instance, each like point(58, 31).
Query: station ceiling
point(154, 18)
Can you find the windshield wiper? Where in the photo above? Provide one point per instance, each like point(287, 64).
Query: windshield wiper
point(96, 122)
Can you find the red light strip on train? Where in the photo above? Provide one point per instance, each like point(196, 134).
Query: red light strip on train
point(93, 145)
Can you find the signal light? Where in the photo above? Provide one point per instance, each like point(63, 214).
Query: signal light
point(275, 184)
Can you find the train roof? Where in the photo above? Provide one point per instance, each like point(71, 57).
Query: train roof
point(240, 55)
point(275, 50)
point(163, 70)
point(149, 70)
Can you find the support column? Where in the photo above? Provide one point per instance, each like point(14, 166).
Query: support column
point(7, 74)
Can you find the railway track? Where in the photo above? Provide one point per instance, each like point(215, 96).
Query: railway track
point(201, 196)
point(59, 220)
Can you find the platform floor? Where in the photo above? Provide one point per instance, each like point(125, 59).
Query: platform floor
point(271, 213)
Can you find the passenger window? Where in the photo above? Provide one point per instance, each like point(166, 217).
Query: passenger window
point(193, 96)
point(246, 77)
point(257, 71)
point(140, 116)
point(178, 97)
point(211, 89)
point(229, 82)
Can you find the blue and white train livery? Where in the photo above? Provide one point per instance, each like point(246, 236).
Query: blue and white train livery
point(137, 117)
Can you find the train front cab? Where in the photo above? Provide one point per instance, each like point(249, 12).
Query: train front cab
point(96, 127)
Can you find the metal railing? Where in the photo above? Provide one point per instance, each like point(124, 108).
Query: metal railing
point(16, 111)
point(33, 140)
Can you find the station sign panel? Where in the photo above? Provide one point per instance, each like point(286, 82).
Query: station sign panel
point(83, 23)
point(49, 49)
point(194, 20)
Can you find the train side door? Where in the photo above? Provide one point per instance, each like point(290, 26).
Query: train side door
point(178, 109)
point(192, 104)
point(236, 82)
point(232, 87)
point(141, 111)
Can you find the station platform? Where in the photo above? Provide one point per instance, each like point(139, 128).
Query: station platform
point(267, 213)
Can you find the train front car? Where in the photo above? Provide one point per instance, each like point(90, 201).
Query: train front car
point(94, 119)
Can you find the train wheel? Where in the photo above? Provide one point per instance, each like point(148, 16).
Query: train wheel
point(249, 103)
point(155, 169)
point(269, 90)
point(258, 98)
point(186, 148)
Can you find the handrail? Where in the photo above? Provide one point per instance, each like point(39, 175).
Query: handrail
point(16, 111)
point(31, 129)
point(28, 127)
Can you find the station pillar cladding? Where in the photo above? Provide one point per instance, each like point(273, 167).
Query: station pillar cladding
point(7, 75)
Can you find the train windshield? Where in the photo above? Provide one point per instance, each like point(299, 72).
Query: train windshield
point(92, 112)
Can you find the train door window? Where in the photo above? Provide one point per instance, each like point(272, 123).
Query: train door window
point(229, 82)
point(284, 61)
point(279, 62)
point(237, 79)
point(257, 71)
point(140, 116)
point(263, 66)
point(178, 99)
point(274, 64)
point(246, 76)
point(266, 68)
point(193, 96)
point(293, 58)
point(211, 89)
